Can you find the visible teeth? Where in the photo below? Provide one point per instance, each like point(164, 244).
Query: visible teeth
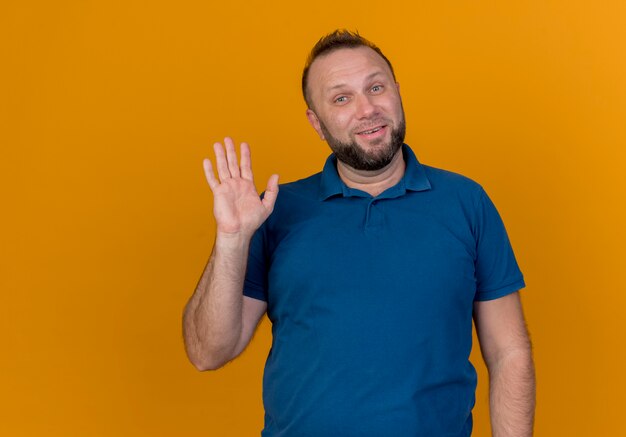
point(367, 132)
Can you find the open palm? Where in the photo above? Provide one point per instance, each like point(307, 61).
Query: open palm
point(237, 206)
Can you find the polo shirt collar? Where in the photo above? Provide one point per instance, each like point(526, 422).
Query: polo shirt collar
point(414, 179)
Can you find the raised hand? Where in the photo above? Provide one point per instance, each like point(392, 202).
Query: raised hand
point(237, 206)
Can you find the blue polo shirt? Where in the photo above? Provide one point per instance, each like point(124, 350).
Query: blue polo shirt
point(370, 300)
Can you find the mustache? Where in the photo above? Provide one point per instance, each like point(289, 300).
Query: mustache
point(371, 124)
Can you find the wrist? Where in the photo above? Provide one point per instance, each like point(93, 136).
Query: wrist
point(232, 240)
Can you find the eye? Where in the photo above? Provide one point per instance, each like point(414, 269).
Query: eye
point(340, 99)
point(377, 88)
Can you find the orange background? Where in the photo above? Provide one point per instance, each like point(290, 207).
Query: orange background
point(107, 109)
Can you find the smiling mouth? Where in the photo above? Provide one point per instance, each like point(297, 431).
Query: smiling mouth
point(370, 131)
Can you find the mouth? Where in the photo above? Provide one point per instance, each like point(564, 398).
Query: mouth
point(373, 132)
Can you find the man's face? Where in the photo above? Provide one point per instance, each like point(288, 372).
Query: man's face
point(356, 107)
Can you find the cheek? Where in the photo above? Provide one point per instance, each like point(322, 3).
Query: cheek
point(397, 107)
point(340, 122)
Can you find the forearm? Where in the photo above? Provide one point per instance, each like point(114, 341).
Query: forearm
point(512, 394)
point(212, 322)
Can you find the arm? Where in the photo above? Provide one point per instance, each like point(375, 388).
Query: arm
point(506, 349)
point(219, 321)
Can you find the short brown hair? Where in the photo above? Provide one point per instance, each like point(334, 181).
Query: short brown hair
point(339, 39)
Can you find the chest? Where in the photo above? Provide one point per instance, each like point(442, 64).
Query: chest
point(372, 259)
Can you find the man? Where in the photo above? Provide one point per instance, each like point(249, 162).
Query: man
point(370, 272)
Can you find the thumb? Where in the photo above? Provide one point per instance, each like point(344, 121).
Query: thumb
point(271, 192)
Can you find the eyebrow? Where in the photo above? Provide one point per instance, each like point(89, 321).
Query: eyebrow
point(341, 85)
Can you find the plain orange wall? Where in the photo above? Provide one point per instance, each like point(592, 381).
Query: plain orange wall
point(107, 109)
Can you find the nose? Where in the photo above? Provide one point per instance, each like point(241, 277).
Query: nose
point(365, 107)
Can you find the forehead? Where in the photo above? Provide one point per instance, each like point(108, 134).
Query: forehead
point(346, 65)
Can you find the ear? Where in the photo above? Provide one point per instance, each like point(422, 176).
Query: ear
point(315, 122)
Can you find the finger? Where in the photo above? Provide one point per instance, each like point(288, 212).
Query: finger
point(231, 157)
point(209, 174)
point(271, 192)
point(246, 169)
point(220, 162)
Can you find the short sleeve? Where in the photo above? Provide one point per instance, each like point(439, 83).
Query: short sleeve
point(497, 272)
point(255, 284)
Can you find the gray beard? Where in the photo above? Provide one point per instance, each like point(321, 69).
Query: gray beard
point(353, 155)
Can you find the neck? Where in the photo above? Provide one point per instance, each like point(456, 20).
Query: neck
point(373, 182)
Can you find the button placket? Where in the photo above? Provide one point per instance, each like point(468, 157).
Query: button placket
point(374, 216)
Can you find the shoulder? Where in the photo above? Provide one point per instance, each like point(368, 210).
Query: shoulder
point(295, 197)
point(449, 182)
point(301, 188)
point(308, 186)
